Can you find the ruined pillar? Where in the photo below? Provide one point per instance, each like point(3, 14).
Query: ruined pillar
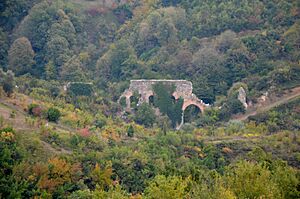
point(128, 103)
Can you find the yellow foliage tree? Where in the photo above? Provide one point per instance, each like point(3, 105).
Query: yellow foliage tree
point(102, 177)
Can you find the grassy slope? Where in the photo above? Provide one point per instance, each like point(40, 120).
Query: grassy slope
point(281, 144)
point(28, 132)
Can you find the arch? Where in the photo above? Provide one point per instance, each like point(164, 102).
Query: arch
point(197, 103)
point(151, 100)
point(127, 94)
point(173, 99)
point(191, 113)
point(143, 91)
point(134, 100)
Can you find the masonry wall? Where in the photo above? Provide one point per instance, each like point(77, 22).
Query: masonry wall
point(183, 88)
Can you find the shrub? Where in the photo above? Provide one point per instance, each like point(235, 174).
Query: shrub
point(123, 102)
point(99, 123)
point(53, 114)
point(31, 107)
point(85, 132)
point(8, 88)
point(80, 89)
point(130, 131)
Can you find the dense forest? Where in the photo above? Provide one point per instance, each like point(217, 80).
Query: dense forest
point(65, 133)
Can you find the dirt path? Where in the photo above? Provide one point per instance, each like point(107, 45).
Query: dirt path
point(229, 139)
point(295, 92)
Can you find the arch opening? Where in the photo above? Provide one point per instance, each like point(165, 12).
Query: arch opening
point(151, 100)
point(173, 99)
point(134, 99)
point(191, 113)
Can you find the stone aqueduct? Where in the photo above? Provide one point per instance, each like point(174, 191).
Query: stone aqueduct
point(183, 89)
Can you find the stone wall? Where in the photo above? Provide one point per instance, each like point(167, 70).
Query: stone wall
point(144, 87)
point(183, 88)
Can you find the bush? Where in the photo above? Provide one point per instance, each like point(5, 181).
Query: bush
point(31, 107)
point(35, 110)
point(80, 89)
point(130, 131)
point(8, 88)
point(123, 102)
point(53, 115)
point(99, 123)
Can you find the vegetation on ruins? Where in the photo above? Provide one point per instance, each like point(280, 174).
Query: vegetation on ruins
point(66, 133)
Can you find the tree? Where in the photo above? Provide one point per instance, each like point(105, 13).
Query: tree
point(172, 187)
point(57, 175)
point(61, 39)
point(20, 56)
point(63, 28)
point(102, 177)
point(167, 33)
point(209, 70)
point(226, 40)
point(50, 71)
point(164, 101)
point(292, 40)
point(72, 70)
point(115, 192)
point(53, 114)
point(163, 97)
point(7, 81)
point(113, 64)
point(250, 180)
point(176, 114)
point(10, 155)
point(57, 49)
point(145, 115)
point(80, 89)
point(4, 47)
point(130, 131)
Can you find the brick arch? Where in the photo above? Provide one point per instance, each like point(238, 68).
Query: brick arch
point(127, 94)
point(196, 103)
point(184, 89)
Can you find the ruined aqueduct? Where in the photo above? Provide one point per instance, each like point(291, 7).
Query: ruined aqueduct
point(184, 89)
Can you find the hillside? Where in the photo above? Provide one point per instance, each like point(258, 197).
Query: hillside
point(68, 130)
point(265, 106)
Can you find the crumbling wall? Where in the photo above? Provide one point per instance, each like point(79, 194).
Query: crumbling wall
point(144, 88)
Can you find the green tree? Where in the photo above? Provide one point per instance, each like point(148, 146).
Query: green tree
point(4, 47)
point(10, 155)
point(115, 192)
point(102, 176)
point(53, 114)
point(20, 56)
point(63, 28)
point(145, 115)
point(250, 180)
point(57, 49)
point(130, 131)
point(7, 81)
point(80, 89)
point(163, 99)
point(209, 66)
point(50, 71)
point(167, 187)
point(113, 64)
point(287, 180)
point(72, 70)
point(292, 40)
